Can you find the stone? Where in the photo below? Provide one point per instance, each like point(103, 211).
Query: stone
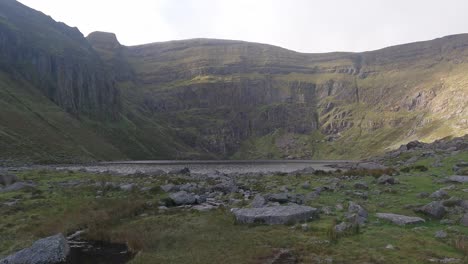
point(385, 179)
point(226, 187)
point(278, 197)
point(306, 185)
point(50, 250)
point(423, 195)
point(440, 234)
point(127, 187)
point(356, 213)
point(439, 194)
point(204, 207)
point(458, 179)
point(464, 220)
point(184, 171)
point(400, 219)
point(17, 186)
point(369, 166)
point(182, 198)
point(389, 246)
point(7, 178)
point(361, 185)
point(343, 227)
point(434, 209)
point(169, 187)
point(276, 215)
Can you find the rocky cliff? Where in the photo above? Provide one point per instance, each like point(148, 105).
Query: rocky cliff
point(206, 98)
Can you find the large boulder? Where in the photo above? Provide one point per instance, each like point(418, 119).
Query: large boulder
point(434, 209)
point(458, 179)
point(182, 198)
point(400, 219)
point(7, 178)
point(50, 250)
point(276, 215)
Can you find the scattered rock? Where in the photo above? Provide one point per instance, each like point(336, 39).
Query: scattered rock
point(434, 209)
point(458, 179)
point(444, 260)
point(50, 250)
point(258, 201)
point(7, 178)
point(369, 166)
point(385, 179)
point(184, 171)
point(127, 187)
point(389, 246)
point(440, 234)
point(278, 197)
point(182, 198)
point(276, 214)
point(361, 185)
point(439, 194)
point(17, 186)
point(306, 185)
point(400, 219)
point(356, 214)
point(204, 207)
point(423, 195)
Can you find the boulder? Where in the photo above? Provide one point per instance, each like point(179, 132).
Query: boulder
point(182, 198)
point(458, 179)
point(127, 187)
point(361, 185)
point(184, 171)
point(434, 209)
point(306, 185)
point(276, 215)
point(226, 187)
point(440, 234)
point(385, 179)
point(7, 178)
point(356, 213)
point(54, 249)
point(400, 219)
point(439, 194)
point(343, 227)
point(169, 187)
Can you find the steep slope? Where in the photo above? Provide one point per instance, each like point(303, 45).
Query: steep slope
point(68, 98)
point(247, 100)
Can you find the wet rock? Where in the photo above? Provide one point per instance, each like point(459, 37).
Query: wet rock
point(276, 214)
point(439, 194)
point(434, 209)
point(440, 234)
point(385, 179)
point(50, 250)
point(400, 219)
point(182, 198)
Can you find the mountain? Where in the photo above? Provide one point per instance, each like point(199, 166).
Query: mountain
point(68, 98)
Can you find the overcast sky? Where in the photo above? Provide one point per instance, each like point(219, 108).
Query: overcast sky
point(301, 25)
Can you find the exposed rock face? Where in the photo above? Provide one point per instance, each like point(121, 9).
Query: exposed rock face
point(65, 69)
point(400, 219)
point(276, 215)
point(48, 250)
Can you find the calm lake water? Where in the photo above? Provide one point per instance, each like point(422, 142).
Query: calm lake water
point(198, 166)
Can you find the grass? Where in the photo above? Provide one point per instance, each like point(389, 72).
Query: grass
point(181, 236)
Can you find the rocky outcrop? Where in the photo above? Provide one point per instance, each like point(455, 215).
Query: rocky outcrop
point(48, 250)
point(276, 215)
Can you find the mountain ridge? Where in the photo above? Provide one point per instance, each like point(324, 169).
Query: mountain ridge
point(210, 98)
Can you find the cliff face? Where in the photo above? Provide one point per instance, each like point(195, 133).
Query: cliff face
point(205, 98)
point(57, 59)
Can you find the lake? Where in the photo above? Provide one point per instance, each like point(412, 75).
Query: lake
point(204, 166)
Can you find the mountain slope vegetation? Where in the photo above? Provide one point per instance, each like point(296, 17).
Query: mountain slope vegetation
point(68, 98)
